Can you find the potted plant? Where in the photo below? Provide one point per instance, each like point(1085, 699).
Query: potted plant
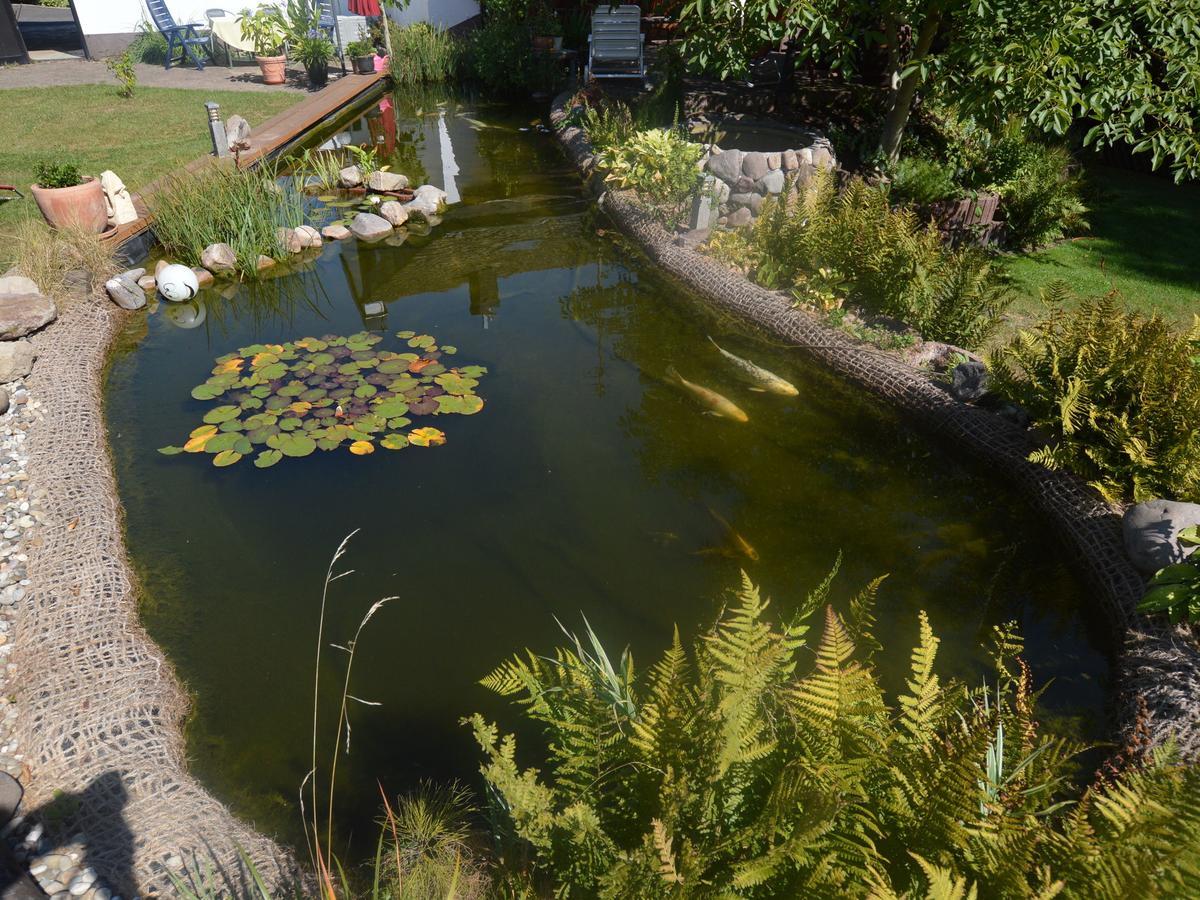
point(266, 29)
point(547, 31)
point(314, 52)
point(67, 198)
point(363, 54)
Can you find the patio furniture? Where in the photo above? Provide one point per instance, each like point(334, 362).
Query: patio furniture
point(226, 28)
point(616, 45)
point(185, 38)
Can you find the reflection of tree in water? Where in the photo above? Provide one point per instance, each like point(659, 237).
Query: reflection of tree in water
point(511, 160)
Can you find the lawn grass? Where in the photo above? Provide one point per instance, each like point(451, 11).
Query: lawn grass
point(1144, 241)
point(140, 139)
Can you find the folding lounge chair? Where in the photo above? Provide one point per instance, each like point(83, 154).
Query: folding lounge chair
point(185, 38)
point(616, 45)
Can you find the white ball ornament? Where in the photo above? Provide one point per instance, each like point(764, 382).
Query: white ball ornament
point(178, 283)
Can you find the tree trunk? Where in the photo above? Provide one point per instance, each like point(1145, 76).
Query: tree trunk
point(905, 90)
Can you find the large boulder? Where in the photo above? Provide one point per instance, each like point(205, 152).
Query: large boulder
point(308, 236)
point(754, 165)
point(13, 283)
point(387, 181)
point(22, 314)
point(350, 177)
point(1151, 532)
point(335, 232)
point(753, 202)
point(218, 258)
point(370, 227)
point(771, 183)
point(727, 166)
point(125, 290)
point(16, 360)
point(394, 212)
point(422, 205)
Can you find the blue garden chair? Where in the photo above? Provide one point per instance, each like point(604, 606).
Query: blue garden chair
point(185, 38)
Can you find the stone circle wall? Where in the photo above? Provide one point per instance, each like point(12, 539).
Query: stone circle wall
point(1157, 694)
point(744, 179)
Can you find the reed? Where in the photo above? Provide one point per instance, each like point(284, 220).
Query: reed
point(424, 53)
point(48, 255)
point(223, 204)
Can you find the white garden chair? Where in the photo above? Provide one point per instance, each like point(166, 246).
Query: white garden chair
point(616, 46)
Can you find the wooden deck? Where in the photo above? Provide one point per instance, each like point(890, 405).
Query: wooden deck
point(271, 135)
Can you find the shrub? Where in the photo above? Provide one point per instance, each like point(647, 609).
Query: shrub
point(423, 53)
point(889, 262)
point(360, 48)
point(758, 763)
point(56, 174)
point(221, 204)
point(126, 75)
point(499, 59)
point(923, 181)
point(608, 125)
point(658, 163)
point(1042, 202)
point(1118, 393)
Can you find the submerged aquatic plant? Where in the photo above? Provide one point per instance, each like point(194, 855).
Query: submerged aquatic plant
point(312, 394)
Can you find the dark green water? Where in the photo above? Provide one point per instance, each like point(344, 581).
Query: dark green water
point(583, 486)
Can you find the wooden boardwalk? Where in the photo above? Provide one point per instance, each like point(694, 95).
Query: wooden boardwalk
point(271, 135)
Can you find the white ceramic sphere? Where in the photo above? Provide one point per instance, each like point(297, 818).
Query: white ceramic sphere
point(178, 283)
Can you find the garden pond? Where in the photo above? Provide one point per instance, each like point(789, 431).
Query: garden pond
point(585, 484)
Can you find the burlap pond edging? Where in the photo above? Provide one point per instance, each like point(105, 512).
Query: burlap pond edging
point(1158, 668)
point(101, 710)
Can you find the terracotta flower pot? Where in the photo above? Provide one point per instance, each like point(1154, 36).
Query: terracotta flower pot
point(81, 205)
point(272, 68)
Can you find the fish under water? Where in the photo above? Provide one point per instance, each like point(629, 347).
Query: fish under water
point(717, 404)
point(734, 546)
point(767, 381)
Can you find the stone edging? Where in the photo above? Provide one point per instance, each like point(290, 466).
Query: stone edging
point(1158, 671)
point(101, 709)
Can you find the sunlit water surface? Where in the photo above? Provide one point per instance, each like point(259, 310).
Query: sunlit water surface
point(584, 487)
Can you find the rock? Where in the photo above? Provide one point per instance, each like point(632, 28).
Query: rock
point(21, 314)
point(370, 227)
point(18, 284)
point(790, 162)
point(204, 278)
point(308, 236)
point(394, 212)
point(771, 183)
point(289, 240)
point(434, 193)
point(147, 282)
point(743, 185)
point(125, 292)
point(722, 190)
point(727, 166)
point(422, 205)
point(1151, 532)
point(5, 402)
point(335, 232)
point(805, 155)
point(349, 177)
point(264, 262)
point(219, 258)
point(237, 131)
point(387, 181)
point(969, 381)
point(822, 158)
point(754, 165)
point(752, 201)
point(159, 266)
point(774, 160)
point(16, 359)
point(739, 218)
point(117, 201)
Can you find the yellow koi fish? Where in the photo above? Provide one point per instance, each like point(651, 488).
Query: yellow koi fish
point(766, 381)
point(717, 405)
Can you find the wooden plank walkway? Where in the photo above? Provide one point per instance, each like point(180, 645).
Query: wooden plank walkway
point(278, 131)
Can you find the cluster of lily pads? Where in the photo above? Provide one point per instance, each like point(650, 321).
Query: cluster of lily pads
point(292, 399)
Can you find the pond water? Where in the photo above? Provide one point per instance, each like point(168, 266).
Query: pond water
point(587, 484)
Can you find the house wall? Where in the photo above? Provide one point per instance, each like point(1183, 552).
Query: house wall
point(111, 24)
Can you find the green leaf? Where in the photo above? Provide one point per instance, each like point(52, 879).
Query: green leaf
point(267, 458)
point(170, 451)
point(220, 414)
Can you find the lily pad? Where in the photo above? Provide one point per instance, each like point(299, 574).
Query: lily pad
point(426, 437)
point(226, 458)
point(362, 448)
point(220, 414)
point(394, 442)
point(267, 458)
point(170, 451)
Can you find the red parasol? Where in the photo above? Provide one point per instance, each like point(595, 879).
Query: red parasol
point(365, 8)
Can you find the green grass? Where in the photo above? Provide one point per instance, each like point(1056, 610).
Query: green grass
point(1144, 241)
point(140, 139)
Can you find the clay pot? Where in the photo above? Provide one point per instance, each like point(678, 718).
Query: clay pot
point(272, 68)
point(81, 205)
